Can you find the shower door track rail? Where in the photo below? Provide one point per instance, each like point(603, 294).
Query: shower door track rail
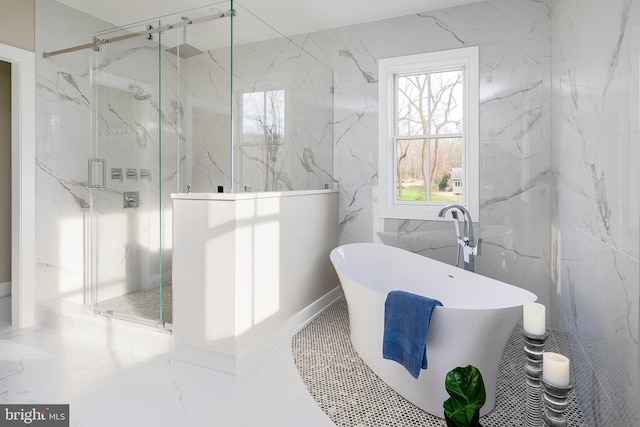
point(148, 33)
point(157, 324)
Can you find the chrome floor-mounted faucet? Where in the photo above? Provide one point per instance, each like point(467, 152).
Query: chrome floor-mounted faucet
point(470, 248)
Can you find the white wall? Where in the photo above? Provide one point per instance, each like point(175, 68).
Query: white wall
point(5, 178)
point(17, 21)
point(515, 179)
point(596, 47)
point(240, 276)
point(579, 254)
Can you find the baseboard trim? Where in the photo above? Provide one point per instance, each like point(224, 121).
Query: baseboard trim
point(250, 358)
point(243, 363)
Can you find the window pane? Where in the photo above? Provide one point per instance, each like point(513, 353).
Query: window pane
point(252, 117)
point(446, 102)
point(429, 140)
point(413, 105)
point(263, 116)
point(275, 115)
point(410, 169)
point(446, 175)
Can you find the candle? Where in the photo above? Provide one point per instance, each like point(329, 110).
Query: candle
point(533, 318)
point(555, 369)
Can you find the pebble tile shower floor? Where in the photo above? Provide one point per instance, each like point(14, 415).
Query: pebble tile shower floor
point(144, 303)
point(352, 395)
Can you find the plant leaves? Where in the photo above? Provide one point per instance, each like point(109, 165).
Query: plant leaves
point(462, 415)
point(466, 388)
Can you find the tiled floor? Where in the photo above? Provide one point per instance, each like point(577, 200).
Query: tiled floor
point(110, 385)
point(144, 304)
point(352, 395)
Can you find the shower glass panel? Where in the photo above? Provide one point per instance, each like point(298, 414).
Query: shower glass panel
point(125, 216)
point(204, 100)
point(283, 106)
point(129, 265)
point(205, 70)
point(153, 96)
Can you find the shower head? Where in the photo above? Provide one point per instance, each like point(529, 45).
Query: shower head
point(142, 96)
point(184, 50)
point(139, 94)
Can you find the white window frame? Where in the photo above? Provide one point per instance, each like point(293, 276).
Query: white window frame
point(388, 68)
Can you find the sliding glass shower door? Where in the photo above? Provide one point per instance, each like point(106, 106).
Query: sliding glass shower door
point(162, 107)
point(129, 179)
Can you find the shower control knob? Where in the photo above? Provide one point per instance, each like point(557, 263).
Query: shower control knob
point(130, 199)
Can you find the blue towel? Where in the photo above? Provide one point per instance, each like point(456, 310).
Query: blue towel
point(406, 322)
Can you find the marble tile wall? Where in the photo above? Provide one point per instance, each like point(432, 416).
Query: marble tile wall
point(515, 178)
point(63, 129)
point(596, 217)
point(302, 158)
point(69, 112)
point(577, 246)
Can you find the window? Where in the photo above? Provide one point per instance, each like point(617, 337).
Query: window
point(261, 135)
point(263, 117)
point(428, 133)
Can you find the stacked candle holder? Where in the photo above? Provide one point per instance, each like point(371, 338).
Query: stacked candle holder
point(533, 351)
point(535, 335)
point(556, 386)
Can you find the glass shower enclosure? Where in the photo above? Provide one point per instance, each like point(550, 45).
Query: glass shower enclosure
point(206, 100)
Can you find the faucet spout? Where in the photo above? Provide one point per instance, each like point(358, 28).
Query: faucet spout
point(470, 247)
point(467, 218)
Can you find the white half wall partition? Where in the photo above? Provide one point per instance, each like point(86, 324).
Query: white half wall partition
point(249, 270)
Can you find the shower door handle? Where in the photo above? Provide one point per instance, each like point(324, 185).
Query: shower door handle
point(97, 173)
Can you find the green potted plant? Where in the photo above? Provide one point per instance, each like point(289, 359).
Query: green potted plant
point(466, 388)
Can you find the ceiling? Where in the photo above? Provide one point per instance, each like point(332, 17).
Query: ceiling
point(289, 17)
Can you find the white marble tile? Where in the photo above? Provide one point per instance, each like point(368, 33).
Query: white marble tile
point(62, 120)
point(514, 55)
point(106, 385)
point(513, 169)
point(298, 160)
point(598, 105)
point(595, 94)
point(514, 103)
point(357, 177)
point(600, 296)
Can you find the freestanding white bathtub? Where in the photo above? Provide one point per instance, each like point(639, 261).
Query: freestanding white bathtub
point(471, 328)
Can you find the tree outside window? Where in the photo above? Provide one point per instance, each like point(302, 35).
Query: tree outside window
point(429, 135)
point(263, 119)
point(428, 121)
point(263, 133)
